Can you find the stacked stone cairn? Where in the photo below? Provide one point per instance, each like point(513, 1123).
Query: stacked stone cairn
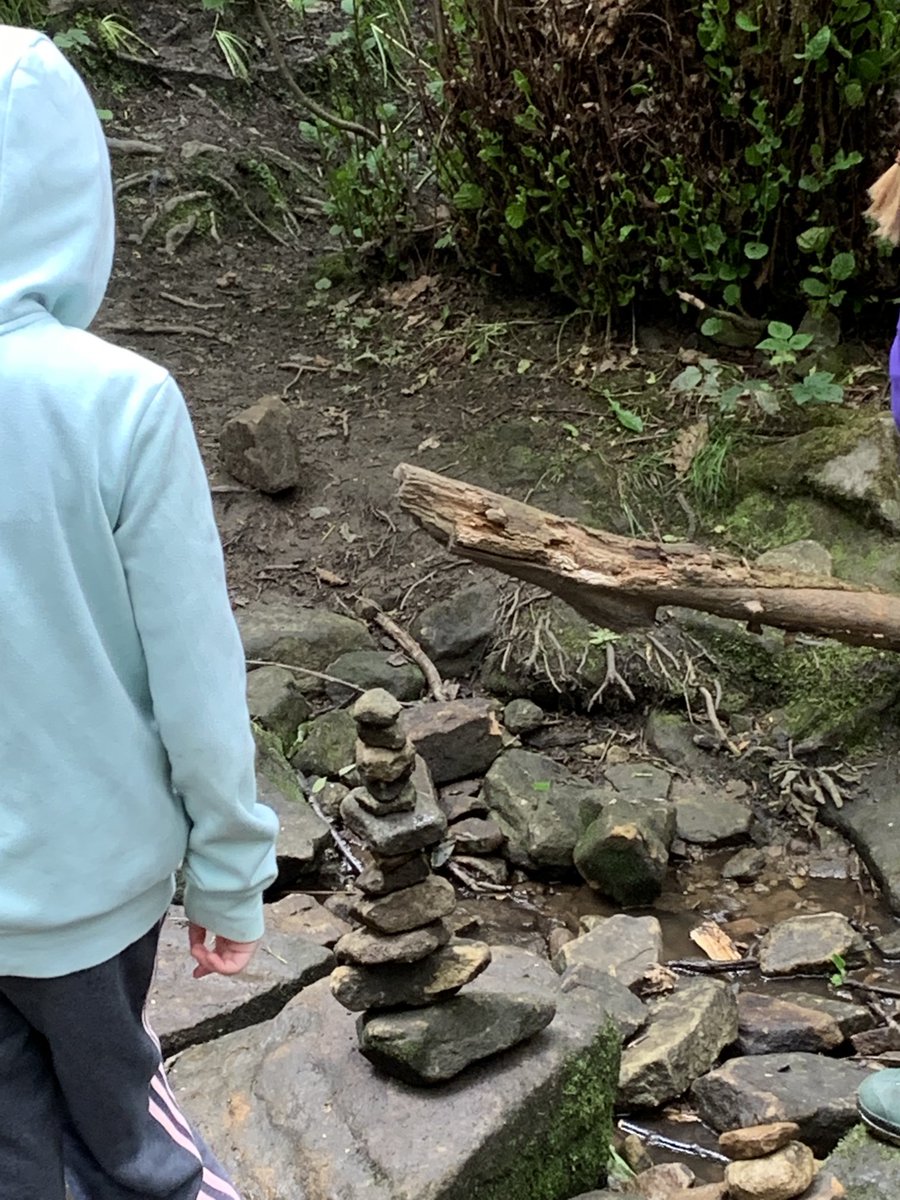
point(402, 958)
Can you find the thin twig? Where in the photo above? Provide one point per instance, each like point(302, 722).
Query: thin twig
point(338, 840)
point(258, 662)
point(306, 101)
point(370, 611)
point(475, 885)
point(664, 1143)
point(703, 966)
point(183, 302)
point(153, 329)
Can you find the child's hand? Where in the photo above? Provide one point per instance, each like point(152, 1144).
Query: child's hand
point(224, 958)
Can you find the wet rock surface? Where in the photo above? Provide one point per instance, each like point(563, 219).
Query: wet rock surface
point(769, 1025)
point(294, 1100)
point(184, 1011)
point(456, 738)
point(685, 1035)
point(808, 944)
point(706, 816)
point(818, 1094)
point(624, 947)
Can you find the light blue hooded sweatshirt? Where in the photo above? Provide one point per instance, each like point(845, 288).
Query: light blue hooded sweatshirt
point(125, 742)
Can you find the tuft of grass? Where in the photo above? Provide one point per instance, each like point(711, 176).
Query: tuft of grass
point(30, 14)
point(235, 51)
point(711, 474)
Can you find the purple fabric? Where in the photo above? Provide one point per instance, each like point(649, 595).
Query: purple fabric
point(895, 377)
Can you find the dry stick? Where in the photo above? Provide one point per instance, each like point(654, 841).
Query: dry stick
point(665, 1143)
point(294, 87)
point(370, 611)
point(702, 966)
point(183, 302)
point(172, 330)
point(475, 885)
point(877, 989)
point(723, 737)
point(132, 146)
point(232, 191)
point(341, 844)
point(258, 662)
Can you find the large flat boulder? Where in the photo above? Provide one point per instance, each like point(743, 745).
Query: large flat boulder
point(295, 1110)
point(184, 1011)
point(818, 1094)
point(625, 947)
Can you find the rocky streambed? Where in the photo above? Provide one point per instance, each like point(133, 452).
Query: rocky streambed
point(700, 909)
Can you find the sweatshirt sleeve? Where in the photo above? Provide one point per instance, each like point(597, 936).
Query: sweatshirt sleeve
point(169, 546)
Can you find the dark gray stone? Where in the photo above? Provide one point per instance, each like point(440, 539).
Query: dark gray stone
point(281, 631)
point(302, 836)
point(746, 866)
point(476, 836)
point(624, 853)
point(850, 1018)
point(888, 944)
point(377, 707)
point(808, 943)
point(329, 796)
point(398, 833)
point(373, 669)
point(276, 701)
point(327, 746)
point(408, 908)
point(612, 997)
point(704, 816)
point(671, 736)
point(639, 781)
point(541, 808)
point(686, 1033)
point(381, 877)
point(184, 1011)
point(296, 1111)
point(624, 947)
point(512, 1000)
point(364, 949)
point(410, 984)
point(818, 1093)
point(259, 446)
point(455, 632)
point(774, 1024)
point(458, 739)
point(523, 716)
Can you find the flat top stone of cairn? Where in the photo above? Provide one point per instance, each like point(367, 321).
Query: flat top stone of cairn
point(376, 707)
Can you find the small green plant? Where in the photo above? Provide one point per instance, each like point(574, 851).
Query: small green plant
point(235, 51)
point(117, 36)
point(838, 977)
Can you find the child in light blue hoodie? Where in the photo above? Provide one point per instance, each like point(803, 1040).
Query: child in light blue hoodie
point(125, 743)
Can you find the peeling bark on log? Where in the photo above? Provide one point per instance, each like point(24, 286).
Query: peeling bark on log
point(620, 582)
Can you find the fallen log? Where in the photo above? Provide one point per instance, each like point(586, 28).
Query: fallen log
point(620, 583)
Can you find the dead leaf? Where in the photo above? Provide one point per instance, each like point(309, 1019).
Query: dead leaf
point(403, 296)
point(690, 441)
point(347, 534)
point(329, 578)
point(320, 511)
point(430, 443)
point(714, 942)
point(657, 981)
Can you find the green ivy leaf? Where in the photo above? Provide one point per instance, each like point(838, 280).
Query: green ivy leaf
point(842, 266)
point(817, 45)
point(756, 250)
point(712, 327)
point(815, 239)
point(515, 214)
point(468, 197)
point(814, 287)
point(744, 21)
point(780, 330)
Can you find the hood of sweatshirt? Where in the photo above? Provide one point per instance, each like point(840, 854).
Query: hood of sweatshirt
point(57, 226)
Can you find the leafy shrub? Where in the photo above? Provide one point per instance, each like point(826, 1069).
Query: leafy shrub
point(625, 147)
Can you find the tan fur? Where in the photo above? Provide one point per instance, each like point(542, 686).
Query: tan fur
point(884, 204)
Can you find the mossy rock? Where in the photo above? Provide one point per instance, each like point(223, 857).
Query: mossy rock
point(327, 745)
point(868, 1169)
point(852, 465)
